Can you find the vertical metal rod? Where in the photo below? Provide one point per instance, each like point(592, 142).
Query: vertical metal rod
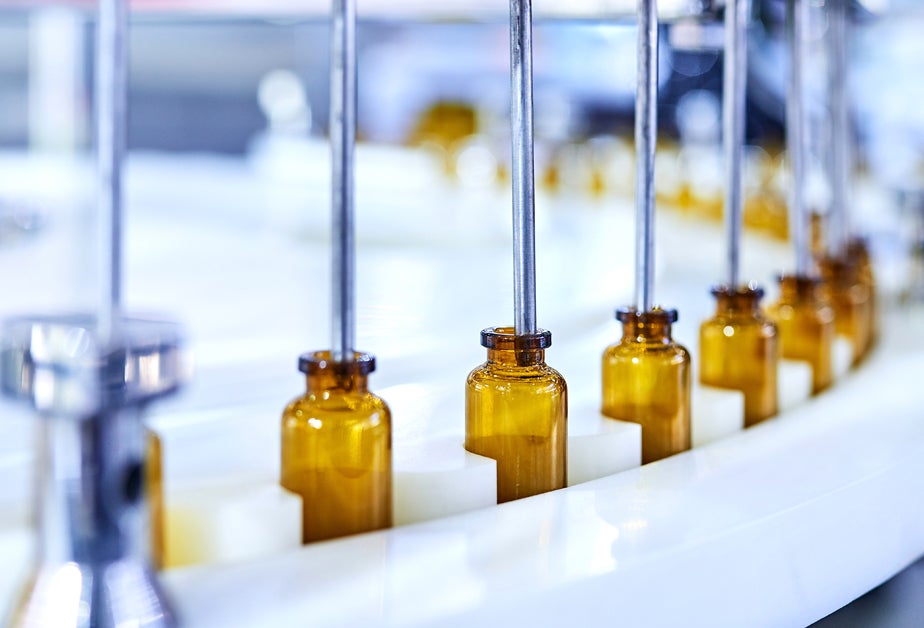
point(797, 21)
point(342, 141)
point(733, 121)
point(646, 132)
point(840, 153)
point(111, 85)
point(521, 128)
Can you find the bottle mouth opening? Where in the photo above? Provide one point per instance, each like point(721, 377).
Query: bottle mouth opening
point(652, 316)
point(317, 361)
point(506, 339)
point(799, 280)
point(747, 291)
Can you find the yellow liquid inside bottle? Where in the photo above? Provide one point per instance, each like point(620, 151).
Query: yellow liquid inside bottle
point(739, 349)
point(850, 299)
point(646, 380)
point(153, 477)
point(806, 326)
point(516, 412)
point(336, 449)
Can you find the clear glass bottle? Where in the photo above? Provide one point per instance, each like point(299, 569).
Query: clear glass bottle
point(336, 449)
point(805, 322)
point(516, 412)
point(739, 349)
point(850, 299)
point(646, 380)
point(153, 477)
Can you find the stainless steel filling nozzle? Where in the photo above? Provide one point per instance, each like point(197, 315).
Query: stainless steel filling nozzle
point(92, 566)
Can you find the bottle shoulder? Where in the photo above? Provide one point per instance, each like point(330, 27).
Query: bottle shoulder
point(622, 349)
point(491, 374)
point(351, 406)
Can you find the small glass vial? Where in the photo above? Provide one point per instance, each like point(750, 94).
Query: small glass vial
point(336, 449)
point(850, 299)
point(805, 322)
point(154, 480)
point(516, 412)
point(739, 349)
point(858, 256)
point(646, 380)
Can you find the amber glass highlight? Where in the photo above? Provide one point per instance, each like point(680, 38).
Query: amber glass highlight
point(739, 349)
point(850, 299)
point(646, 380)
point(336, 449)
point(153, 476)
point(805, 323)
point(516, 412)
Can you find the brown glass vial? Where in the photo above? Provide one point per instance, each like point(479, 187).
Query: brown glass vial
point(154, 480)
point(646, 380)
point(858, 255)
point(805, 322)
point(336, 449)
point(739, 349)
point(516, 412)
point(850, 299)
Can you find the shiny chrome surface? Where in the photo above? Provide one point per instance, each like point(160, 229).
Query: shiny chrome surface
point(91, 565)
point(646, 135)
point(796, 136)
point(342, 143)
point(111, 119)
point(737, 13)
point(524, 202)
point(840, 149)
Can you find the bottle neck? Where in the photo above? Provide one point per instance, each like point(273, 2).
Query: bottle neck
point(515, 358)
point(795, 289)
point(336, 380)
point(653, 327)
point(738, 301)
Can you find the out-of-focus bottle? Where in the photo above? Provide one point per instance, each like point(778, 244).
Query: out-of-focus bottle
point(849, 297)
point(859, 257)
point(646, 380)
point(805, 322)
point(336, 449)
point(516, 412)
point(739, 349)
point(154, 480)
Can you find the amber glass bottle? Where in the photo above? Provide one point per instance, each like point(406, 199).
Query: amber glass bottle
point(646, 380)
point(336, 449)
point(153, 476)
point(850, 299)
point(805, 322)
point(739, 349)
point(516, 412)
point(858, 256)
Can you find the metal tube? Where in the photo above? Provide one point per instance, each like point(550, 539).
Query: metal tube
point(111, 84)
point(646, 132)
point(797, 21)
point(342, 141)
point(521, 128)
point(733, 121)
point(840, 153)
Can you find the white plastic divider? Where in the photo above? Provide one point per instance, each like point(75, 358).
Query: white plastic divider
point(715, 413)
point(438, 477)
point(228, 520)
point(599, 446)
point(841, 356)
point(794, 383)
